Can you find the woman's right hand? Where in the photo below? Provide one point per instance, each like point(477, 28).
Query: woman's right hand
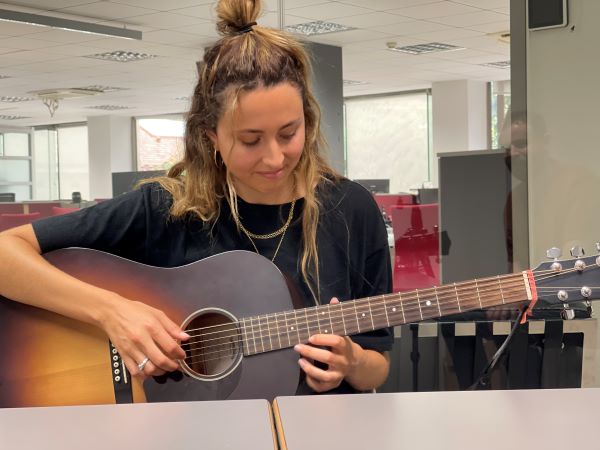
point(139, 331)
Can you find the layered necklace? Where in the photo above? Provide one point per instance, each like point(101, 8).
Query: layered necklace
point(280, 232)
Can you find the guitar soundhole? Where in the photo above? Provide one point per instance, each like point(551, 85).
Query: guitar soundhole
point(214, 349)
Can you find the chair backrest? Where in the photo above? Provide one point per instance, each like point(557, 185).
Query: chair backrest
point(14, 220)
point(46, 209)
point(7, 196)
point(388, 201)
point(416, 246)
point(59, 211)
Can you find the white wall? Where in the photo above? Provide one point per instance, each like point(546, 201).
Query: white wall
point(563, 133)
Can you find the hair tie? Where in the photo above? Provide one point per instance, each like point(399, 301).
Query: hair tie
point(245, 28)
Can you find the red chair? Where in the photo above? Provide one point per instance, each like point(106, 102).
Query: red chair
point(58, 211)
point(44, 208)
point(14, 220)
point(387, 201)
point(416, 246)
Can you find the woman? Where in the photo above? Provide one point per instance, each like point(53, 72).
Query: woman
point(252, 178)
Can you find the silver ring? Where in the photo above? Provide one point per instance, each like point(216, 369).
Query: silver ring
point(143, 364)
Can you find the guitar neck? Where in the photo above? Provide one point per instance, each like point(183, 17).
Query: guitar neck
point(283, 330)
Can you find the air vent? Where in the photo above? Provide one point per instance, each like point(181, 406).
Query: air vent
point(498, 64)
point(62, 93)
point(318, 27)
point(4, 77)
point(420, 49)
point(122, 56)
point(109, 107)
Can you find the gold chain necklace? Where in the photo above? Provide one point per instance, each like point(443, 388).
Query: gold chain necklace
point(274, 233)
point(281, 231)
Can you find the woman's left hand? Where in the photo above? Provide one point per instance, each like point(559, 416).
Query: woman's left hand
point(342, 357)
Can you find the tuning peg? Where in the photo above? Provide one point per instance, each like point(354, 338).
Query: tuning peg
point(554, 253)
point(577, 251)
point(567, 313)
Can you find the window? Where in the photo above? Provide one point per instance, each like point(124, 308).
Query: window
point(499, 114)
point(15, 163)
point(159, 142)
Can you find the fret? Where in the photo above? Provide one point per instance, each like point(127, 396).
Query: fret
point(419, 303)
point(478, 296)
point(457, 300)
point(370, 312)
point(402, 308)
point(356, 316)
point(297, 327)
point(429, 304)
point(330, 322)
point(395, 309)
point(278, 330)
point(306, 318)
point(362, 313)
point(501, 291)
point(437, 299)
point(269, 331)
point(260, 335)
point(245, 341)
point(253, 335)
point(338, 326)
point(265, 333)
point(385, 308)
point(343, 318)
point(287, 329)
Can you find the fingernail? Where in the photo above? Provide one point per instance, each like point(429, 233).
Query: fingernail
point(297, 347)
point(184, 335)
point(301, 362)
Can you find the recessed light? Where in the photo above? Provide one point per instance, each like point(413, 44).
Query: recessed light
point(419, 49)
point(103, 89)
point(14, 99)
point(498, 64)
point(318, 27)
point(353, 82)
point(3, 117)
point(109, 107)
point(122, 56)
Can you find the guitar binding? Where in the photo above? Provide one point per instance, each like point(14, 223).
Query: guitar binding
point(214, 349)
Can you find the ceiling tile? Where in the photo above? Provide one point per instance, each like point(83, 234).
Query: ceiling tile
point(107, 10)
point(438, 9)
point(328, 11)
point(164, 20)
point(371, 20)
point(466, 20)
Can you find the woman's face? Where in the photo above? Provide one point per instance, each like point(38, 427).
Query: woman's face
point(261, 142)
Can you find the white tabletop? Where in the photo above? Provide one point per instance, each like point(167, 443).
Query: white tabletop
point(555, 419)
point(243, 424)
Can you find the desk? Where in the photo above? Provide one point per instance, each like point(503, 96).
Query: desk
point(234, 424)
point(495, 420)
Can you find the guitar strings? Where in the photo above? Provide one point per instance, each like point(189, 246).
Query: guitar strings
point(440, 290)
point(298, 329)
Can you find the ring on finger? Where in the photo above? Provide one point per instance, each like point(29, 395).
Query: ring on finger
point(143, 364)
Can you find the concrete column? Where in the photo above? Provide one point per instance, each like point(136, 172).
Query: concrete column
point(459, 118)
point(110, 150)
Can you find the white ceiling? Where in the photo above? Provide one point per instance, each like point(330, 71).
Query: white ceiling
point(36, 58)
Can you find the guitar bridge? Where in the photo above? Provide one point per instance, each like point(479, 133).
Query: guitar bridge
point(120, 377)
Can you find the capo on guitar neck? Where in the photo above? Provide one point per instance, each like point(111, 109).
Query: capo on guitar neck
point(533, 297)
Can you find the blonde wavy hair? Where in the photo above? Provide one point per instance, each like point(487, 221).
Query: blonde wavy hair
point(240, 62)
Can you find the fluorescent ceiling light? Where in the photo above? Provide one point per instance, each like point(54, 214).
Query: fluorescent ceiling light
point(66, 24)
point(353, 82)
point(3, 117)
point(14, 99)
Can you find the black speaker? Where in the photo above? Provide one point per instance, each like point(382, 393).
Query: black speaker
point(543, 14)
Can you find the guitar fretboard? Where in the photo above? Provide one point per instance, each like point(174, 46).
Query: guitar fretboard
point(282, 330)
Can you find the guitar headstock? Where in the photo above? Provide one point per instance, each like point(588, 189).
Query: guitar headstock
point(570, 280)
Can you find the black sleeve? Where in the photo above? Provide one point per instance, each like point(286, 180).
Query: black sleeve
point(117, 226)
point(371, 243)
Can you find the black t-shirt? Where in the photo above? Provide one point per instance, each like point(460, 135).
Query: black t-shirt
point(351, 238)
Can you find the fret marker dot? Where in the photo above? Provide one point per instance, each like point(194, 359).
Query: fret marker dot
point(291, 328)
point(363, 314)
point(326, 331)
point(428, 303)
point(394, 309)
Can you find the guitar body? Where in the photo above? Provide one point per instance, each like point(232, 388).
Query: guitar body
point(48, 359)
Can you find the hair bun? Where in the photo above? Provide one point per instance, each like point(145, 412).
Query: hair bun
point(236, 16)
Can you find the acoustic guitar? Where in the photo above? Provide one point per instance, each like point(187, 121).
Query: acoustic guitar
point(238, 309)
